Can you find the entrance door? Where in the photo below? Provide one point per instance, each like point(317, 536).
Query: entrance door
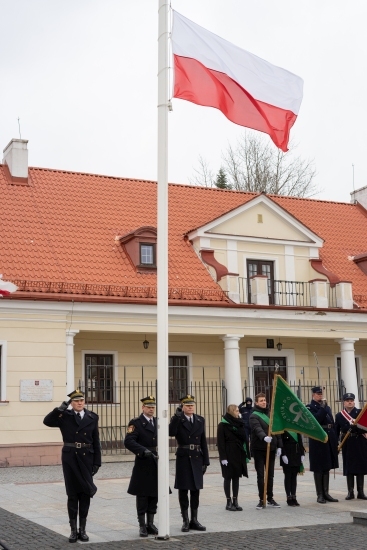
point(264, 370)
point(261, 267)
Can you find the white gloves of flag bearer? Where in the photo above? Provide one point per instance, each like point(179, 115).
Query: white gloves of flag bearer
point(267, 438)
point(285, 459)
point(279, 452)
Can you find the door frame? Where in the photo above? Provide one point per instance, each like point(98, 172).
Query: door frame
point(265, 352)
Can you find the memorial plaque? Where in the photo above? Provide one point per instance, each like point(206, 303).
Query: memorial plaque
point(36, 390)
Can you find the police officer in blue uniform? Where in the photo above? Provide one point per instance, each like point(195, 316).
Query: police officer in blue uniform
point(323, 456)
point(354, 449)
point(81, 457)
point(192, 459)
point(141, 439)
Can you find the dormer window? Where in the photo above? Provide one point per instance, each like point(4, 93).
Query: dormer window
point(147, 254)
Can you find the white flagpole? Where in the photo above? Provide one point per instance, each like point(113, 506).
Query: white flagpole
point(162, 273)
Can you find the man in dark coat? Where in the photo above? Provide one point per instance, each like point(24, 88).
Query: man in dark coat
point(323, 456)
point(81, 457)
point(192, 459)
point(141, 439)
point(246, 409)
point(292, 458)
point(355, 447)
point(259, 423)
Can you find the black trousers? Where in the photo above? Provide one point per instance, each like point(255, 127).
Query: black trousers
point(290, 481)
point(183, 498)
point(146, 505)
point(260, 461)
point(80, 501)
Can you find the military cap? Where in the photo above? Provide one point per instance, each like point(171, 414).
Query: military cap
point(316, 389)
point(188, 400)
point(75, 395)
point(148, 401)
point(348, 396)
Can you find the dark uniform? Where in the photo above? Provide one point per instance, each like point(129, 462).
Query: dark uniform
point(323, 456)
point(141, 439)
point(354, 450)
point(246, 409)
point(294, 452)
point(192, 459)
point(81, 458)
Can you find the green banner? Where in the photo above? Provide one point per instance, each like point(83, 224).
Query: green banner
point(289, 413)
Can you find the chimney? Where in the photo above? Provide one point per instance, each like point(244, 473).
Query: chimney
point(16, 158)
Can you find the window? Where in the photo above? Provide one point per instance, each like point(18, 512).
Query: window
point(261, 267)
point(98, 378)
point(147, 256)
point(178, 385)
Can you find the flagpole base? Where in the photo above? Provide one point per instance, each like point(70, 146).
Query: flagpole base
point(165, 537)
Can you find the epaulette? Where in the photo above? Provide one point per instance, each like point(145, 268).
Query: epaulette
point(133, 420)
point(93, 414)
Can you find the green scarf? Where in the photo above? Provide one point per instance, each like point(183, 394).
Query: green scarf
point(263, 416)
point(224, 421)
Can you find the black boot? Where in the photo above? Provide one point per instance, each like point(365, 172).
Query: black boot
point(230, 506)
point(325, 483)
point(185, 516)
point(194, 524)
point(151, 528)
point(360, 484)
point(74, 533)
point(82, 535)
point(295, 501)
point(350, 485)
point(290, 501)
point(235, 504)
point(319, 488)
point(142, 527)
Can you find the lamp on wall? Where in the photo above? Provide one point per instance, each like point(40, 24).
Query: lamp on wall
point(279, 345)
point(146, 343)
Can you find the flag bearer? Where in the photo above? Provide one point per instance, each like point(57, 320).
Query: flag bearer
point(323, 456)
point(355, 447)
point(141, 439)
point(192, 459)
point(81, 457)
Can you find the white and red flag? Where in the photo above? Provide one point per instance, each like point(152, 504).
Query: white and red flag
point(6, 287)
point(249, 91)
point(361, 420)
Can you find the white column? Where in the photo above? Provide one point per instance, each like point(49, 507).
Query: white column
point(232, 369)
point(70, 380)
point(348, 366)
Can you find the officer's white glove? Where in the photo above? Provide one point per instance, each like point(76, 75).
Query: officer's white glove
point(279, 452)
point(267, 438)
point(224, 462)
point(302, 458)
point(284, 458)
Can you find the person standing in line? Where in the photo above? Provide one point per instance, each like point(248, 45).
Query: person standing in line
point(141, 439)
point(323, 456)
point(292, 458)
point(81, 457)
point(354, 449)
point(192, 460)
point(233, 454)
point(259, 423)
point(246, 409)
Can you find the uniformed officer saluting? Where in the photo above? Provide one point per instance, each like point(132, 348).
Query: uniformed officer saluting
point(355, 447)
point(141, 439)
point(323, 456)
point(192, 459)
point(81, 457)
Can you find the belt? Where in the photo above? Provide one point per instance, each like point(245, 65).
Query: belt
point(77, 445)
point(191, 447)
point(327, 426)
point(350, 434)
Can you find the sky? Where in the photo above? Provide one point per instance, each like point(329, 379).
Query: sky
point(81, 75)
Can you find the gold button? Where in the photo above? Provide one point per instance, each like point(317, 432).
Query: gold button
point(76, 432)
point(85, 434)
point(83, 454)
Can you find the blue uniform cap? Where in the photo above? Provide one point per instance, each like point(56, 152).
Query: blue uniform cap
point(349, 396)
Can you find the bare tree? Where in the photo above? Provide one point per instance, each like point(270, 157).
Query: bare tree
point(256, 165)
point(204, 176)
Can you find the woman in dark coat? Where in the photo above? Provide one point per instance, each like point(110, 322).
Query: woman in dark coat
point(292, 457)
point(233, 453)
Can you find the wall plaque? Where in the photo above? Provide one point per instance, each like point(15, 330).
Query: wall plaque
point(36, 390)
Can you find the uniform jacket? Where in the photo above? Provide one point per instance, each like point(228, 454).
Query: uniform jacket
point(77, 463)
point(323, 456)
point(189, 463)
point(354, 449)
point(245, 415)
point(293, 450)
point(141, 435)
point(230, 440)
point(259, 429)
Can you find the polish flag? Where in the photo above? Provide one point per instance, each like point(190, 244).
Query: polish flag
point(6, 288)
point(248, 90)
point(361, 420)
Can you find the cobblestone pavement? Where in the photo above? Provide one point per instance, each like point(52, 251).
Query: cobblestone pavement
point(17, 533)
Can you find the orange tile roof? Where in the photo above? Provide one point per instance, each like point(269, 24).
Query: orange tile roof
point(62, 227)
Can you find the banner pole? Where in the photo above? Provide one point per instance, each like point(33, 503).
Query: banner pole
point(268, 444)
point(350, 429)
